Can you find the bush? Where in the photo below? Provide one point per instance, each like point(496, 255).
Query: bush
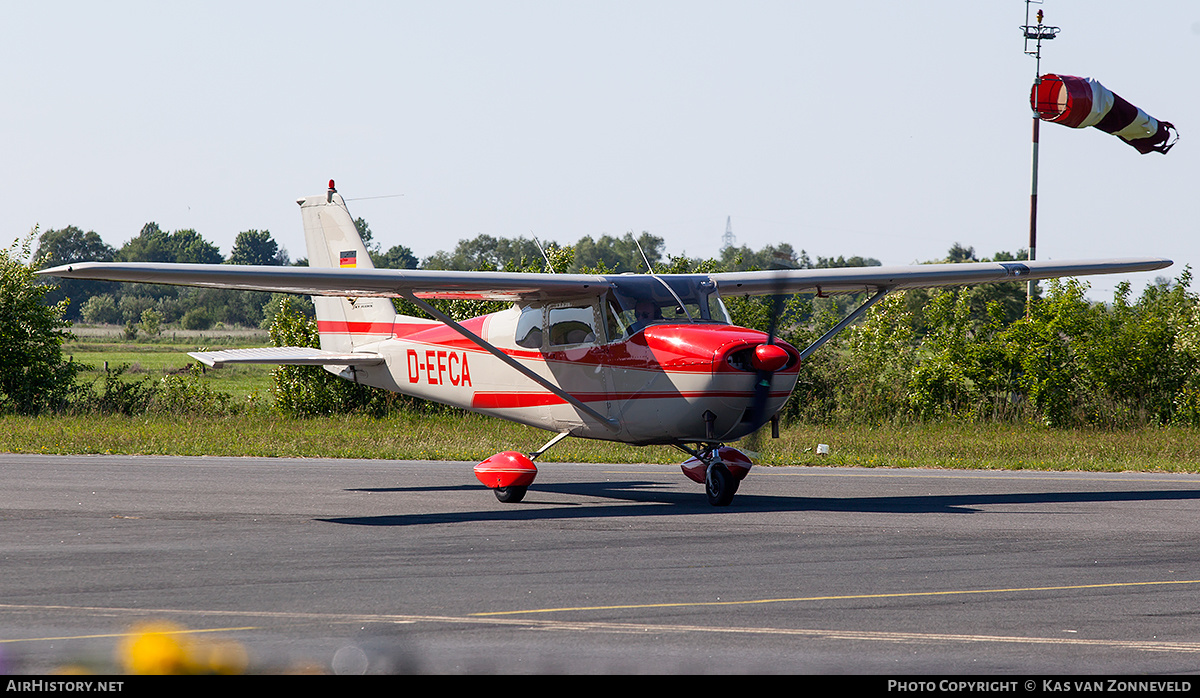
point(33, 375)
point(311, 390)
point(100, 310)
point(186, 393)
point(110, 394)
point(1071, 363)
point(151, 323)
point(196, 319)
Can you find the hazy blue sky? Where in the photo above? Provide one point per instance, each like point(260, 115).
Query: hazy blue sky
point(885, 129)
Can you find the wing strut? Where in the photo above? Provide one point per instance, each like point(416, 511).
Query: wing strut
point(612, 424)
point(842, 325)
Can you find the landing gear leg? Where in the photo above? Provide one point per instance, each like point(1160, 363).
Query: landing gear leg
point(510, 474)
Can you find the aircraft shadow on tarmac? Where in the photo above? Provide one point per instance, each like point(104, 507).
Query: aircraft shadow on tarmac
point(647, 498)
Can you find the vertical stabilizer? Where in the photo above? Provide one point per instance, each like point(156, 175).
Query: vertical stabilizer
point(333, 241)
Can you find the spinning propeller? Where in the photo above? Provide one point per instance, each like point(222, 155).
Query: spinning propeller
point(767, 359)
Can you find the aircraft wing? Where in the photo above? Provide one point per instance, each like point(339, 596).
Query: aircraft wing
point(859, 279)
point(512, 286)
point(355, 283)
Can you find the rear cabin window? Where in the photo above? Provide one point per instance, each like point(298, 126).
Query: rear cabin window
point(529, 328)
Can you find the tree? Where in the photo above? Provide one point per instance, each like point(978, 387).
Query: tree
point(772, 256)
point(608, 254)
point(68, 246)
point(1009, 296)
point(153, 244)
point(257, 247)
point(151, 324)
point(33, 375)
point(190, 248)
point(100, 310)
point(842, 262)
point(368, 238)
point(398, 257)
point(196, 319)
point(484, 253)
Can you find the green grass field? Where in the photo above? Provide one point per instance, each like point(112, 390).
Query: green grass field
point(474, 437)
point(162, 357)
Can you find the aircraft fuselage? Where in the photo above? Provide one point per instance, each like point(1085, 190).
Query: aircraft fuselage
point(657, 383)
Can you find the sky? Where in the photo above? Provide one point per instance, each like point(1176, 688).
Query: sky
point(884, 129)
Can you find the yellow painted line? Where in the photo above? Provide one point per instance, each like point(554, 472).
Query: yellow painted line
point(646, 628)
point(128, 634)
point(848, 597)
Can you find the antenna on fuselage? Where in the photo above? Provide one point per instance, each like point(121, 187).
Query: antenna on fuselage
point(649, 268)
point(549, 266)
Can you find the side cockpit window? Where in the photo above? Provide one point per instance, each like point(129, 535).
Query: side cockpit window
point(562, 325)
point(529, 328)
point(572, 325)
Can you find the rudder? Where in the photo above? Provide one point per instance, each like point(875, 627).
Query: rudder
point(333, 242)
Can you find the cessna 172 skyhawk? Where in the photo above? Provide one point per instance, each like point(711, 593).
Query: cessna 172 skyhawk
point(642, 359)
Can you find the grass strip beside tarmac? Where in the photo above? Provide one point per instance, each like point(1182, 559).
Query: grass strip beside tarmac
point(473, 438)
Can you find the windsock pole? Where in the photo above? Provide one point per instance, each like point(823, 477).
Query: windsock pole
point(1035, 33)
point(1031, 284)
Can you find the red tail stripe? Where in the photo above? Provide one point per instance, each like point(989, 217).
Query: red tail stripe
point(398, 329)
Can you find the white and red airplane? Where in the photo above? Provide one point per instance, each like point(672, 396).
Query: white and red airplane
point(642, 359)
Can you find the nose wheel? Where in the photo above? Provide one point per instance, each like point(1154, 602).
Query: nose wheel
point(719, 468)
point(720, 485)
point(511, 494)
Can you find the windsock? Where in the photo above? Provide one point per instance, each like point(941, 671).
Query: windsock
point(1081, 102)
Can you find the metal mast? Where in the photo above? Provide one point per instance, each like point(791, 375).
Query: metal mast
point(1035, 33)
point(728, 239)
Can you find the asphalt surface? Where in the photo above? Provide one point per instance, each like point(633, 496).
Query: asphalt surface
point(376, 566)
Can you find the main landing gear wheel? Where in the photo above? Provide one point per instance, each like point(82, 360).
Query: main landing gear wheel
point(720, 485)
point(512, 494)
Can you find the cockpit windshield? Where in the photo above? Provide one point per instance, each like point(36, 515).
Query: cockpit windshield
point(637, 301)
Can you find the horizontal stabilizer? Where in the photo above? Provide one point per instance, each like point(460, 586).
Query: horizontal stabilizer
point(291, 356)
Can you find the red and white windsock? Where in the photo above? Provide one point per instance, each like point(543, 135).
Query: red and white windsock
point(1081, 102)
